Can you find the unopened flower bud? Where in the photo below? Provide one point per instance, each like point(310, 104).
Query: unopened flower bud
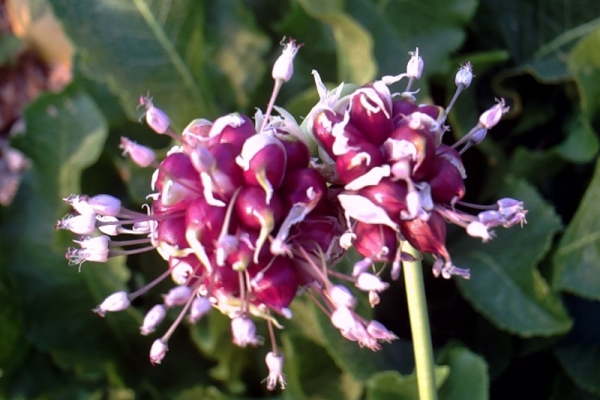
point(107, 225)
point(141, 155)
point(379, 332)
point(477, 136)
point(84, 224)
point(274, 363)
point(374, 298)
point(99, 243)
point(177, 296)
point(369, 282)
point(493, 115)
point(283, 68)
point(414, 68)
point(343, 319)
point(155, 117)
point(158, 350)
point(154, 317)
point(341, 296)
point(464, 76)
point(477, 229)
point(117, 301)
point(243, 331)
point(105, 204)
point(199, 308)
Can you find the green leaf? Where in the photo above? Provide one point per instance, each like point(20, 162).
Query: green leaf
point(354, 43)
point(505, 286)
point(312, 374)
point(584, 63)
point(535, 166)
point(435, 27)
point(65, 134)
point(582, 364)
point(577, 258)
point(242, 60)
point(468, 375)
point(392, 385)
point(213, 337)
point(141, 46)
point(526, 28)
point(581, 144)
point(564, 388)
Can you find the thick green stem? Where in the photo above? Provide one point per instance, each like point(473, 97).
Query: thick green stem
point(419, 325)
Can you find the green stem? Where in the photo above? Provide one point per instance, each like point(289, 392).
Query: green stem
point(419, 325)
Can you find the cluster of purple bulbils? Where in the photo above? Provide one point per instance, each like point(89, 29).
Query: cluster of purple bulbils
point(246, 218)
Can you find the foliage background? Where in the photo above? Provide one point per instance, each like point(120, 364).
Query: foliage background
point(524, 327)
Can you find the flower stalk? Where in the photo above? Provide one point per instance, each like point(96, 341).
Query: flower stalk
point(419, 325)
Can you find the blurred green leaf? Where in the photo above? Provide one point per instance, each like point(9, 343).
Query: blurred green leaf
point(577, 258)
point(391, 385)
point(533, 30)
point(354, 49)
point(505, 286)
point(64, 134)
point(397, 27)
point(242, 59)
point(535, 166)
point(584, 63)
point(581, 362)
point(312, 374)
point(564, 388)
point(581, 144)
point(213, 336)
point(468, 375)
point(141, 46)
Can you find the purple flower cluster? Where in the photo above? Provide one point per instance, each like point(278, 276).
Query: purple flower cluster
point(244, 217)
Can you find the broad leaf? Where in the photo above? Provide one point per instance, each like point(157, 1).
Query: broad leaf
point(468, 375)
point(584, 63)
point(505, 285)
point(581, 363)
point(392, 385)
point(577, 259)
point(311, 372)
point(144, 46)
point(65, 133)
point(435, 27)
point(354, 43)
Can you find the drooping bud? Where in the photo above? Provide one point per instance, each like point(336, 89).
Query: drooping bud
point(152, 319)
point(341, 296)
point(142, 156)
point(117, 301)
point(414, 68)
point(199, 308)
point(84, 224)
point(493, 115)
point(379, 332)
point(464, 76)
point(155, 117)
point(243, 330)
point(477, 229)
point(369, 282)
point(177, 296)
point(283, 69)
point(158, 350)
point(274, 363)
